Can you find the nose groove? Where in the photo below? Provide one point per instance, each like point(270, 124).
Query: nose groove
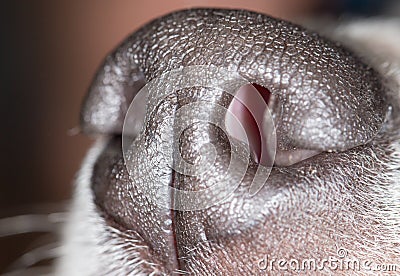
point(190, 226)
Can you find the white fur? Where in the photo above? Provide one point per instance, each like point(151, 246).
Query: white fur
point(91, 247)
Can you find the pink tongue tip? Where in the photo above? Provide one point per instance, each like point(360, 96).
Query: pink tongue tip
point(249, 106)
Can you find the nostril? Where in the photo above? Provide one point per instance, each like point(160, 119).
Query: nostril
point(249, 106)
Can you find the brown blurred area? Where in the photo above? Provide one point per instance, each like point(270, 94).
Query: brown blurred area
point(49, 52)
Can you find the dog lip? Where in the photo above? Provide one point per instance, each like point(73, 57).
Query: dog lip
point(285, 188)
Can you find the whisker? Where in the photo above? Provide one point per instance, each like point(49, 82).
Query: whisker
point(37, 208)
point(22, 224)
point(39, 270)
point(46, 252)
point(74, 131)
point(181, 272)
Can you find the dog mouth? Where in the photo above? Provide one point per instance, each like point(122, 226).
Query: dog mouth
point(328, 113)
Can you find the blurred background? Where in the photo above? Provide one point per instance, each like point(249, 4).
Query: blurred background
point(49, 53)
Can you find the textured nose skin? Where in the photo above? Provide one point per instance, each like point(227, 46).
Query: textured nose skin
point(318, 82)
point(120, 188)
point(322, 107)
point(120, 183)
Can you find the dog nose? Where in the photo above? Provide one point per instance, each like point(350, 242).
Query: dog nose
point(180, 180)
point(319, 83)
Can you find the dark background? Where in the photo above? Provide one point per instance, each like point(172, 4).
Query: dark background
point(49, 52)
